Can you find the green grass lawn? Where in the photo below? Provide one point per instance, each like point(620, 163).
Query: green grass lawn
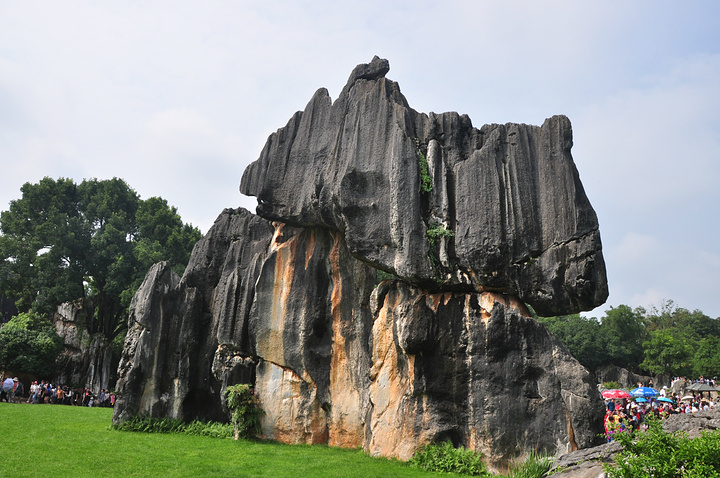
point(59, 440)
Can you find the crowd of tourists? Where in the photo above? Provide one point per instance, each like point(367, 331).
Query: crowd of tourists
point(46, 392)
point(631, 413)
point(707, 381)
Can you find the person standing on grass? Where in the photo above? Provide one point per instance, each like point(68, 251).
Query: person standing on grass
point(7, 388)
point(18, 392)
point(33, 391)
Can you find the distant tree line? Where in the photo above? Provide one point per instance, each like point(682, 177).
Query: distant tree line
point(662, 341)
point(94, 242)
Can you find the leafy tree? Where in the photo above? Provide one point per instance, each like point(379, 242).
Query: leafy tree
point(666, 340)
point(95, 241)
point(44, 243)
point(582, 336)
point(623, 332)
point(706, 361)
point(29, 344)
point(667, 353)
point(681, 342)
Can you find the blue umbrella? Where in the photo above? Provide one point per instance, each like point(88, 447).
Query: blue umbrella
point(640, 400)
point(644, 392)
point(665, 399)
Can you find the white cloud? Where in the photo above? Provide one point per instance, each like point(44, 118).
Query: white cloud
point(655, 146)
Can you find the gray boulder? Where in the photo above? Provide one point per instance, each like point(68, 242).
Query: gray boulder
point(475, 369)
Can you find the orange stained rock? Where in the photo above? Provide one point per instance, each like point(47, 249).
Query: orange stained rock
point(345, 420)
point(270, 341)
point(391, 434)
point(292, 411)
point(276, 241)
point(433, 300)
point(489, 299)
point(309, 247)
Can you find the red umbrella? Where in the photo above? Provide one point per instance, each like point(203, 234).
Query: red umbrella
point(615, 394)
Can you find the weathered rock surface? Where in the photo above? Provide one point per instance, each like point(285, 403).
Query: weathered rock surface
point(335, 359)
point(172, 346)
point(510, 194)
point(587, 463)
point(627, 379)
point(86, 359)
point(448, 352)
point(475, 369)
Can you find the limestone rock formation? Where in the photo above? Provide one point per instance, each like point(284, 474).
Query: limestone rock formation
point(86, 359)
point(629, 380)
point(447, 349)
point(175, 325)
point(506, 205)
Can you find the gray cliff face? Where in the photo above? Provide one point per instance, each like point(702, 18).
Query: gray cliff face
point(446, 350)
point(336, 359)
point(175, 325)
point(510, 194)
point(475, 369)
point(86, 358)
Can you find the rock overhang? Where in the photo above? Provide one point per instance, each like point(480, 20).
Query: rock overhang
point(504, 210)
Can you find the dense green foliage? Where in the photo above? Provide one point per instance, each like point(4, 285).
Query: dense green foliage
point(78, 441)
point(658, 454)
point(94, 242)
point(245, 408)
point(444, 457)
point(145, 424)
point(29, 343)
point(671, 340)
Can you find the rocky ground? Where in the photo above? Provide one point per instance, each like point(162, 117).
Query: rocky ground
point(588, 463)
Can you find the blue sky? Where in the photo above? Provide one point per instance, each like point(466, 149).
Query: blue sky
point(177, 97)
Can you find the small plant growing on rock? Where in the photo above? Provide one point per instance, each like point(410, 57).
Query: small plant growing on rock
point(426, 183)
point(246, 411)
point(436, 231)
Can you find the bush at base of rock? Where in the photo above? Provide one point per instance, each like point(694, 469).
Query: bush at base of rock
point(534, 466)
point(246, 411)
point(446, 458)
point(660, 454)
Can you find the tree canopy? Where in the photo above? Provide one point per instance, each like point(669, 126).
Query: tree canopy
point(29, 344)
point(95, 241)
point(663, 341)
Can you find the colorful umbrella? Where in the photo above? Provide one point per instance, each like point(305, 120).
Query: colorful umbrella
point(665, 399)
point(644, 392)
point(615, 393)
point(641, 400)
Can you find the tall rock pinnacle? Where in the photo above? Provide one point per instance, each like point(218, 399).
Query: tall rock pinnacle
point(435, 201)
